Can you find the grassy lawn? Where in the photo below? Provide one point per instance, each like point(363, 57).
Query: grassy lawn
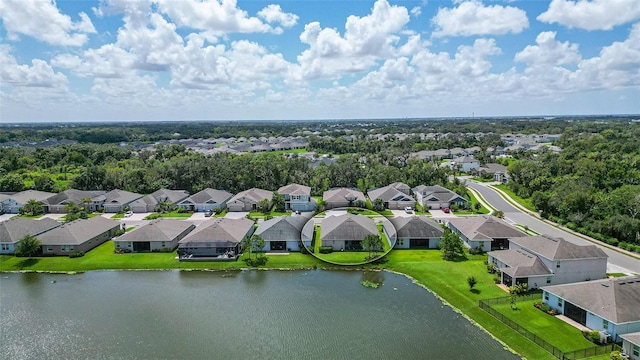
point(473, 201)
point(118, 216)
point(89, 216)
point(176, 214)
point(526, 230)
point(556, 332)
point(482, 180)
point(222, 214)
point(526, 203)
point(30, 216)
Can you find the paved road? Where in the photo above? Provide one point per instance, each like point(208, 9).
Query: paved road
point(618, 262)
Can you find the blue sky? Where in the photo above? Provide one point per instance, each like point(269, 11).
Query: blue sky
point(304, 59)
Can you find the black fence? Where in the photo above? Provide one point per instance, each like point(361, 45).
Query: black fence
point(569, 355)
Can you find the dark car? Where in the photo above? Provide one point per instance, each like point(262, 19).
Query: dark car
point(208, 213)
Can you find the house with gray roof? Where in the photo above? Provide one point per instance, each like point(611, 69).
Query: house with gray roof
point(156, 235)
point(395, 196)
point(437, 197)
point(216, 238)
point(343, 197)
point(14, 229)
point(464, 164)
point(248, 200)
point(11, 204)
point(58, 202)
point(117, 200)
point(607, 305)
point(297, 198)
point(150, 202)
point(78, 235)
point(486, 232)
point(346, 232)
point(498, 171)
point(416, 232)
point(282, 233)
point(207, 199)
point(631, 345)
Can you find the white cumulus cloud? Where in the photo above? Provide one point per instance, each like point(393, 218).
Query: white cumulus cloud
point(39, 75)
point(42, 20)
point(274, 14)
point(549, 51)
point(474, 18)
point(591, 14)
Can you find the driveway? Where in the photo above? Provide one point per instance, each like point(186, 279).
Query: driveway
point(402, 213)
point(441, 214)
point(236, 214)
point(53, 216)
point(4, 217)
point(617, 262)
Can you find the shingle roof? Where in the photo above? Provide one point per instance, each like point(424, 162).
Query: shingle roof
point(485, 227)
point(254, 194)
point(172, 196)
point(416, 227)
point(77, 231)
point(633, 338)
point(118, 196)
point(521, 263)
point(158, 230)
point(12, 230)
point(342, 194)
point(72, 195)
point(437, 191)
point(392, 192)
point(208, 194)
point(295, 189)
point(615, 300)
point(282, 228)
point(23, 196)
point(493, 168)
point(557, 248)
point(347, 227)
point(219, 230)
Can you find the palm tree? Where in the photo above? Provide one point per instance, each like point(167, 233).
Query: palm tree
point(86, 201)
point(32, 207)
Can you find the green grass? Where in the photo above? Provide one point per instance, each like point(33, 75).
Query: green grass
point(526, 230)
point(30, 216)
point(475, 178)
point(118, 216)
point(89, 216)
point(473, 201)
point(526, 203)
point(556, 332)
point(615, 275)
point(222, 214)
point(176, 214)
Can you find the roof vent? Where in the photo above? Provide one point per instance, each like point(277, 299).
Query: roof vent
point(605, 285)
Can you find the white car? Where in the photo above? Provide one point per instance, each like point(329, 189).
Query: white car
point(408, 210)
point(128, 213)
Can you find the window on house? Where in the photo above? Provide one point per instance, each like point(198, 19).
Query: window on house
point(636, 350)
point(605, 324)
point(5, 246)
point(400, 242)
point(163, 244)
point(557, 264)
point(548, 279)
point(546, 296)
point(560, 302)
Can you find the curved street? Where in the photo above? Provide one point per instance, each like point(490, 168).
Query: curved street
point(617, 262)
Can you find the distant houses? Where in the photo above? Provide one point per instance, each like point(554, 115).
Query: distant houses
point(59, 203)
point(117, 200)
point(152, 202)
point(248, 200)
point(343, 197)
point(11, 204)
point(207, 199)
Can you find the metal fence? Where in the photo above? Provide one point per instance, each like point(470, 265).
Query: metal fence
point(570, 355)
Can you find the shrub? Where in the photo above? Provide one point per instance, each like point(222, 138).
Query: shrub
point(121, 251)
point(257, 261)
point(326, 249)
point(497, 279)
point(76, 254)
point(152, 216)
point(592, 335)
point(119, 232)
point(476, 251)
point(491, 269)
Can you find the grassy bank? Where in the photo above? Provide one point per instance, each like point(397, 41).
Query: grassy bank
point(447, 279)
point(526, 203)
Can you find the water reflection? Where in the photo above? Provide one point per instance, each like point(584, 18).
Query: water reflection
point(370, 276)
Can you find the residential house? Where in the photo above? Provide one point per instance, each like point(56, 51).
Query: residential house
point(78, 235)
point(395, 196)
point(152, 202)
point(608, 305)
point(631, 345)
point(13, 203)
point(249, 199)
point(346, 232)
point(207, 199)
point(437, 197)
point(343, 197)
point(157, 235)
point(463, 164)
point(297, 198)
point(14, 229)
point(84, 199)
point(485, 232)
point(498, 171)
point(545, 260)
point(416, 232)
point(217, 238)
point(282, 233)
point(117, 200)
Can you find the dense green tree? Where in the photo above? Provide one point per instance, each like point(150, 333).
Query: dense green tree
point(451, 246)
point(44, 183)
point(27, 246)
point(32, 207)
point(373, 245)
point(11, 183)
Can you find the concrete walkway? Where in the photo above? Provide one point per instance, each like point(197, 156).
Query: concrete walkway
point(573, 323)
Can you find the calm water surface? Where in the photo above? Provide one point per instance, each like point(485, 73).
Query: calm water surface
point(245, 315)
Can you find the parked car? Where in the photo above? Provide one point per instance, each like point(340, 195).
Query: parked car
point(408, 210)
point(128, 213)
point(208, 213)
point(446, 210)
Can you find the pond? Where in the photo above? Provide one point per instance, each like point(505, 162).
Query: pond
point(311, 314)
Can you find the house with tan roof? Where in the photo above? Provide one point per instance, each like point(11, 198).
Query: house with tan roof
point(156, 235)
point(14, 229)
point(78, 235)
point(297, 198)
point(607, 305)
point(248, 200)
point(207, 199)
point(346, 232)
point(218, 238)
point(486, 232)
point(416, 232)
point(343, 197)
